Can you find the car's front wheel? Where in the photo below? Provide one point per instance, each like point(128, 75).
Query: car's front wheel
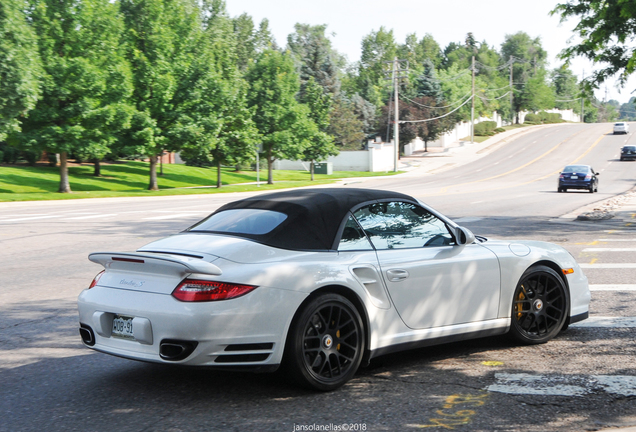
point(325, 343)
point(539, 306)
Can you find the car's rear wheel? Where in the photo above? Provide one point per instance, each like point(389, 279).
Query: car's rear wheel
point(591, 188)
point(326, 343)
point(539, 306)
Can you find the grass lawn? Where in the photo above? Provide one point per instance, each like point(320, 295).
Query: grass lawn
point(124, 179)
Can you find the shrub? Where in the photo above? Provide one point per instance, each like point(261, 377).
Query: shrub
point(532, 118)
point(485, 128)
point(10, 155)
point(32, 156)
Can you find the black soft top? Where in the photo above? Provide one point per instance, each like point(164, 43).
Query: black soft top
point(314, 216)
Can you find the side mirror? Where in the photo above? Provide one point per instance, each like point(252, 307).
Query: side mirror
point(597, 173)
point(464, 236)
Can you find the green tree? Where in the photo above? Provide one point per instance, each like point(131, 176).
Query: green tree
point(20, 68)
point(457, 88)
point(566, 89)
point(318, 143)
point(418, 51)
point(215, 126)
point(529, 63)
point(628, 110)
point(249, 41)
point(165, 43)
point(605, 29)
point(86, 80)
point(315, 57)
point(427, 84)
point(272, 97)
point(345, 125)
point(378, 48)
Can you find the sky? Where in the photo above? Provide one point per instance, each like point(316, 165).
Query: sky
point(348, 21)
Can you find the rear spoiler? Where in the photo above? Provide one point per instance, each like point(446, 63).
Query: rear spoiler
point(167, 262)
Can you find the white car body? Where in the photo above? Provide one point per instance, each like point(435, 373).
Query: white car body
point(621, 128)
point(406, 297)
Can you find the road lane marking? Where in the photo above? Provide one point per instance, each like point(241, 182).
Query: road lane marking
point(92, 216)
point(608, 266)
point(468, 219)
point(31, 218)
point(444, 190)
point(560, 385)
point(170, 216)
point(616, 240)
point(609, 250)
point(612, 287)
point(606, 322)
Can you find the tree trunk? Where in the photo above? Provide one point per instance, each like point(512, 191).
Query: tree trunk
point(153, 173)
point(312, 170)
point(65, 186)
point(98, 168)
point(218, 174)
point(517, 118)
point(270, 167)
point(425, 146)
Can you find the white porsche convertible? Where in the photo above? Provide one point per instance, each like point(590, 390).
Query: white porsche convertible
point(320, 281)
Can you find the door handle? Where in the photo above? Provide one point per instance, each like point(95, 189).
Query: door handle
point(396, 275)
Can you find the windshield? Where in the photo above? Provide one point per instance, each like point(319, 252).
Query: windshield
point(241, 221)
point(575, 168)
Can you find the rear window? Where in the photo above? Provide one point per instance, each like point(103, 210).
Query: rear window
point(630, 148)
point(619, 124)
point(241, 221)
point(576, 168)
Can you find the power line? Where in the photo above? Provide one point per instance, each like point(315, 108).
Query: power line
point(500, 97)
point(439, 107)
point(435, 118)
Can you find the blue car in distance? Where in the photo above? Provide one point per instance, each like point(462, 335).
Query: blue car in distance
point(578, 177)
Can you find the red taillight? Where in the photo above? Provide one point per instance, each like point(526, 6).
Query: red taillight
point(588, 177)
point(96, 279)
point(194, 290)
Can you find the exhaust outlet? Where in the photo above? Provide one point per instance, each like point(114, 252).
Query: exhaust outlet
point(175, 350)
point(87, 335)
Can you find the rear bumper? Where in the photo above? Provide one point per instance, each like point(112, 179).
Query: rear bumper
point(575, 184)
point(244, 332)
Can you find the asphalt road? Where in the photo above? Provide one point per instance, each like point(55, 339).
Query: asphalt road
point(583, 380)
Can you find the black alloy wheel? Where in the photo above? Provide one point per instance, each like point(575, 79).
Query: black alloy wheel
point(326, 343)
point(539, 307)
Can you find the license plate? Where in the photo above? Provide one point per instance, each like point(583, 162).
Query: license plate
point(574, 177)
point(123, 327)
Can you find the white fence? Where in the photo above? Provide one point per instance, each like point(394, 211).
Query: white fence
point(379, 157)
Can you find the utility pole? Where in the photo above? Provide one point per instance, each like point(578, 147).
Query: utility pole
point(395, 77)
point(472, 108)
point(512, 107)
point(396, 128)
point(582, 97)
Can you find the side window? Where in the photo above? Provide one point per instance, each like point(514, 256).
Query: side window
point(400, 225)
point(353, 238)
